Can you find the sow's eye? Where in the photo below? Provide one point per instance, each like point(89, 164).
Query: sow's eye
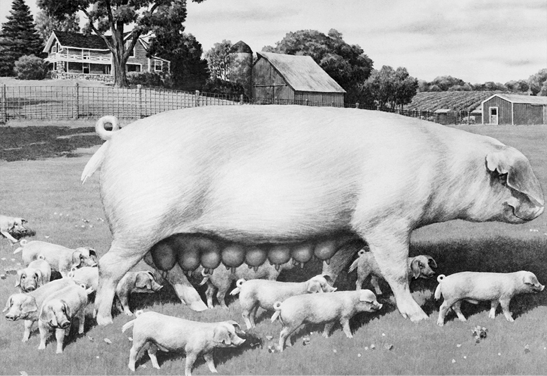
point(502, 179)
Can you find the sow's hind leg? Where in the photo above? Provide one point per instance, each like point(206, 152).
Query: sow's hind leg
point(119, 259)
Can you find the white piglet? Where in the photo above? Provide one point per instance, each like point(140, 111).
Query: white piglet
point(36, 274)
point(58, 312)
point(263, 293)
point(325, 309)
point(498, 288)
point(153, 331)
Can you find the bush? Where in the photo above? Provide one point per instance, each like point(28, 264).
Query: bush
point(144, 78)
point(218, 86)
point(30, 67)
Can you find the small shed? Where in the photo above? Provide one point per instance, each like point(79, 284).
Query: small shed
point(280, 78)
point(513, 109)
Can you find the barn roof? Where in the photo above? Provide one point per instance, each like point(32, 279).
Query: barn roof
point(515, 98)
point(302, 73)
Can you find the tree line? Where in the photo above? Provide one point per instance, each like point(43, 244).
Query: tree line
point(216, 70)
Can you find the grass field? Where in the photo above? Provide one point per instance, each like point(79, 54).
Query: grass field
point(48, 193)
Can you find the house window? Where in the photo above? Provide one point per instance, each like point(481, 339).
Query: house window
point(85, 68)
point(85, 54)
point(157, 65)
point(133, 67)
point(54, 48)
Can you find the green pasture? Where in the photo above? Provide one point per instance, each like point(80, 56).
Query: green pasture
point(42, 183)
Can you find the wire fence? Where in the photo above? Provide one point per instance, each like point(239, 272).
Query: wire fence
point(74, 102)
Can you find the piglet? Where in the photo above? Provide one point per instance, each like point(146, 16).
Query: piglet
point(154, 331)
point(322, 309)
point(59, 311)
point(475, 286)
point(264, 293)
point(36, 274)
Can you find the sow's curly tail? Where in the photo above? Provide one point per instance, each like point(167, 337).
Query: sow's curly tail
point(438, 291)
point(97, 159)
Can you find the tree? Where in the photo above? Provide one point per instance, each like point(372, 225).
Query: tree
point(188, 70)
point(393, 88)
point(145, 16)
point(537, 81)
point(220, 60)
point(45, 24)
point(517, 86)
point(347, 64)
point(18, 37)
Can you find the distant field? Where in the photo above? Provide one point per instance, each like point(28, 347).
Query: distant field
point(47, 192)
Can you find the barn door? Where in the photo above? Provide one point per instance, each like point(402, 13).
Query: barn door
point(493, 115)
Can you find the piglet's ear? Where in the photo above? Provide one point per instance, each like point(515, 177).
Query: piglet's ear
point(221, 335)
point(8, 304)
point(140, 281)
point(415, 268)
point(529, 279)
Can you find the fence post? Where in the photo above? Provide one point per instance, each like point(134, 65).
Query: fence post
point(139, 87)
point(4, 104)
point(241, 99)
point(75, 115)
point(196, 99)
point(357, 105)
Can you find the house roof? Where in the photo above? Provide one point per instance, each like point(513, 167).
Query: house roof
point(515, 98)
point(302, 73)
point(77, 40)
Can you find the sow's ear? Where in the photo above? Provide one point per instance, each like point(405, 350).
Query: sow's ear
point(520, 176)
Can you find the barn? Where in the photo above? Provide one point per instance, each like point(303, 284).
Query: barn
point(279, 78)
point(514, 109)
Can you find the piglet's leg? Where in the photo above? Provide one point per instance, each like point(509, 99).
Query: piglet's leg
point(210, 362)
point(493, 306)
point(152, 350)
point(44, 333)
point(112, 267)
point(60, 337)
point(457, 308)
point(327, 329)
point(184, 289)
point(346, 328)
point(190, 360)
point(390, 249)
point(505, 308)
point(28, 328)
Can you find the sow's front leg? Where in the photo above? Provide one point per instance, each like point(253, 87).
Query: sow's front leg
point(389, 246)
point(183, 288)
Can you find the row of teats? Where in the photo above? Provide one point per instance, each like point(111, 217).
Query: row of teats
point(192, 250)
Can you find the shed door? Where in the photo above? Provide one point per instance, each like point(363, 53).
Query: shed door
point(493, 115)
point(544, 114)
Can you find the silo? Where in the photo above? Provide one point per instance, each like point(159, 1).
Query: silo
point(241, 71)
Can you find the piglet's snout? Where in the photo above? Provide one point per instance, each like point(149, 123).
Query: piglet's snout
point(64, 324)
point(11, 317)
point(376, 306)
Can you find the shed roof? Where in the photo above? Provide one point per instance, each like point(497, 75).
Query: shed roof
point(302, 73)
point(515, 98)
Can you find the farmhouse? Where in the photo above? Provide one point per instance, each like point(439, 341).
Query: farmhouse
point(74, 55)
point(514, 109)
point(279, 78)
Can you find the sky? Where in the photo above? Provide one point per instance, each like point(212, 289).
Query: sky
point(474, 40)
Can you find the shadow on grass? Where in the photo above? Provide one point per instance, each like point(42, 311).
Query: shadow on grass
point(30, 143)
